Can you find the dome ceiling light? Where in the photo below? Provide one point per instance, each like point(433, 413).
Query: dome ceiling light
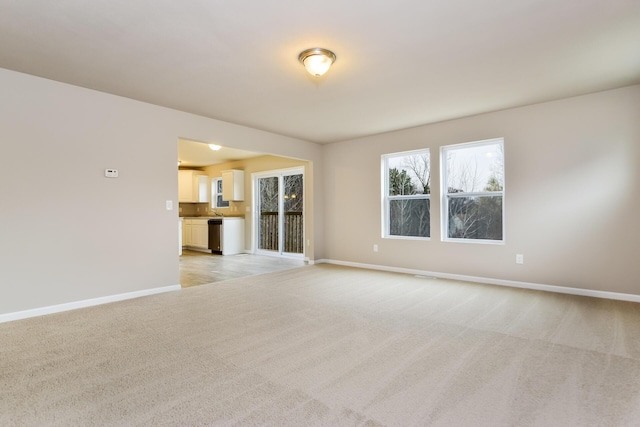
point(317, 60)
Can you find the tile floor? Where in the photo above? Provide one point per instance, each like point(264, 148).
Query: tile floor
point(199, 268)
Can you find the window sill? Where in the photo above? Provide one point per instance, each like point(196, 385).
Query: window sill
point(477, 241)
point(406, 237)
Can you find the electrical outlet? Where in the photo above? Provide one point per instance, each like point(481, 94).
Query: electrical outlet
point(519, 259)
point(375, 248)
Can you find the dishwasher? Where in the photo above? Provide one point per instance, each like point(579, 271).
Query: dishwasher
point(215, 235)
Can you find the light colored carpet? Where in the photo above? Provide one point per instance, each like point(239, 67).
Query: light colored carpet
point(327, 345)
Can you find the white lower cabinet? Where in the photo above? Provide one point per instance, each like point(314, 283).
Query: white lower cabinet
point(200, 235)
point(232, 236)
point(180, 236)
point(195, 233)
point(186, 232)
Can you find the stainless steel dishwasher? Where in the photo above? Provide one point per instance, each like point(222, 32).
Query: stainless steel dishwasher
point(215, 235)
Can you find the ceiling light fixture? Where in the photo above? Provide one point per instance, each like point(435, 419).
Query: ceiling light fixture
point(214, 147)
point(317, 60)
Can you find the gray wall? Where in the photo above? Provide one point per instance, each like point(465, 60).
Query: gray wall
point(67, 233)
point(572, 195)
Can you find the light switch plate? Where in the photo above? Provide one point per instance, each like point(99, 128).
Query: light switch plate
point(169, 205)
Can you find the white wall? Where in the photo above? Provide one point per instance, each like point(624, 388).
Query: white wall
point(67, 233)
point(572, 195)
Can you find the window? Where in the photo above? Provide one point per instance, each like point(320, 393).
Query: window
point(216, 194)
point(473, 191)
point(406, 190)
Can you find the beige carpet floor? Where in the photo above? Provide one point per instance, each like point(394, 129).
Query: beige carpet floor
point(328, 346)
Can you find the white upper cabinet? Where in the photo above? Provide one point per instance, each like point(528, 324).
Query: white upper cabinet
point(204, 188)
point(233, 185)
point(193, 186)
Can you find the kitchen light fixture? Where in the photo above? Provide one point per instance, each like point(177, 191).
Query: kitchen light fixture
point(214, 147)
point(317, 60)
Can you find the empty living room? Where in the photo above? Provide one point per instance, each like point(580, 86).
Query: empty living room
point(434, 208)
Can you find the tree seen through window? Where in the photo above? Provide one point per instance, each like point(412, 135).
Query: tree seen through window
point(407, 194)
point(474, 182)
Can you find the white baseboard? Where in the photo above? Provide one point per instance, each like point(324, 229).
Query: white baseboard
point(490, 281)
point(8, 317)
point(196, 249)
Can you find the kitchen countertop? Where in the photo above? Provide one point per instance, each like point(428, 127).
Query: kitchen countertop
point(211, 217)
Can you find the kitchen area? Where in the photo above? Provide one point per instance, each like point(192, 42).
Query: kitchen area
point(204, 224)
point(215, 213)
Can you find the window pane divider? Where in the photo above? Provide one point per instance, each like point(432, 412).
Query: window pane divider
point(476, 194)
point(410, 196)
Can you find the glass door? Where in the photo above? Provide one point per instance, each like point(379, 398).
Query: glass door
point(293, 230)
point(280, 212)
point(268, 209)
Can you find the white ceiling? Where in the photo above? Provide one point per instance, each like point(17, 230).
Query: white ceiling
point(400, 63)
point(193, 153)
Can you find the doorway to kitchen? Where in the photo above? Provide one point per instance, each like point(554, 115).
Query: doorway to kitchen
point(279, 214)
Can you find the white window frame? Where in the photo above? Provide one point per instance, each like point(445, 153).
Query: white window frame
point(215, 194)
point(444, 202)
point(280, 174)
point(386, 198)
